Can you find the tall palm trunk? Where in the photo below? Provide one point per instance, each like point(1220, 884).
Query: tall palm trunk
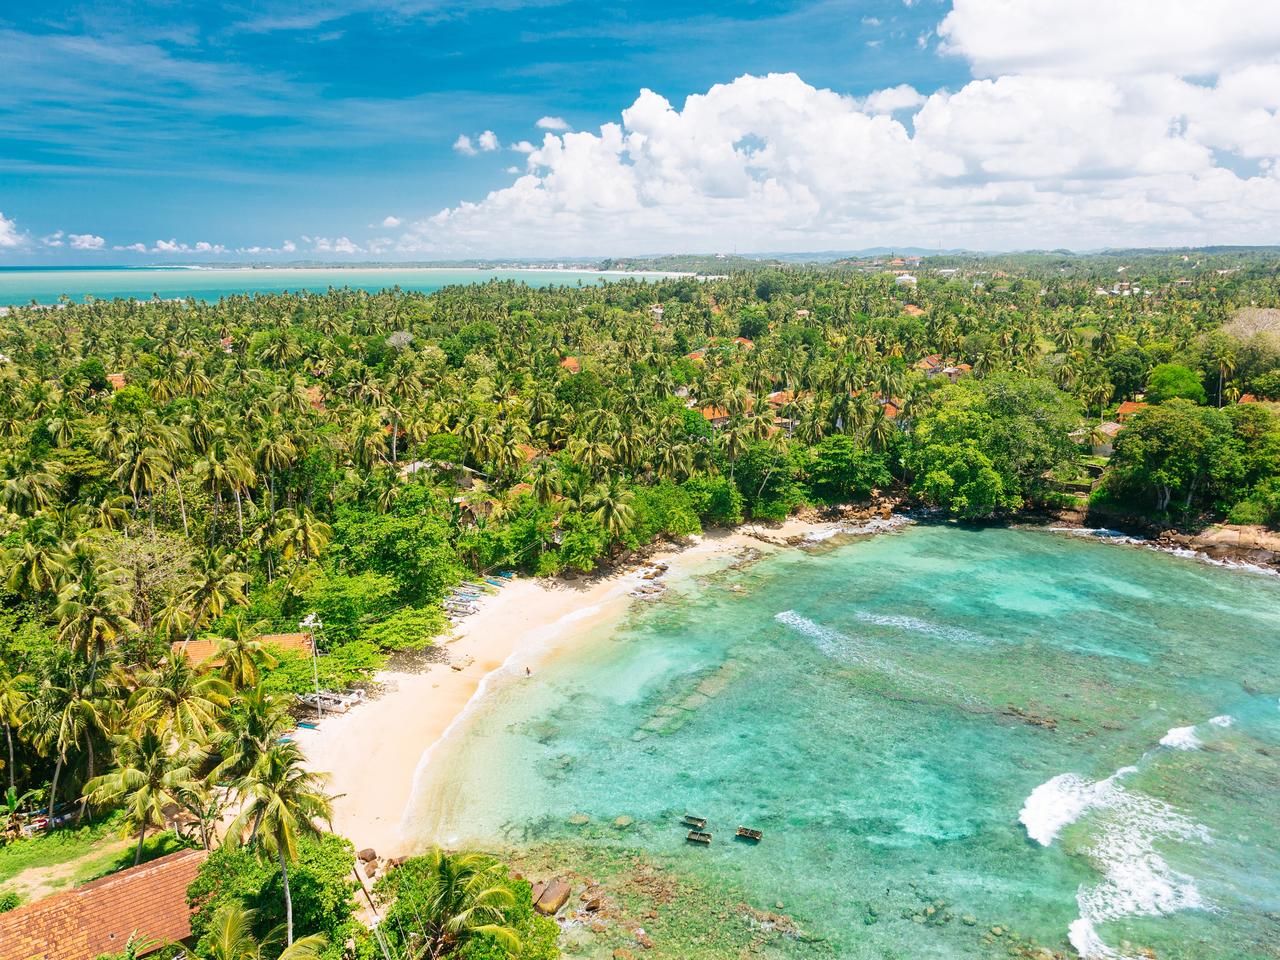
point(8, 736)
point(142, 835)
point(288, 902)
point(182, 504)
point(53, 788)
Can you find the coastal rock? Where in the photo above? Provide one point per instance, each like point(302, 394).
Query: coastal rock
point(366, 855)
point(623, 822)
point(579, 820)
point(555, 896)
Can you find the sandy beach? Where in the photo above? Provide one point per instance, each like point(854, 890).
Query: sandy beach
point(374, 755)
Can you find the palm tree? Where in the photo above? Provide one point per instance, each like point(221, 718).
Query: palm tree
point(255, 721)
point(280, 802)
point(242, 653)
point(93, 605)
point(611, 505)
point(148, 776)
point(183, 701)
point(230, 937)
point(446, 899)
point(15, 697)
point(302, 534)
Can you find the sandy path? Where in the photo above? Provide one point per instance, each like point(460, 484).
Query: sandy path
point(373, 753)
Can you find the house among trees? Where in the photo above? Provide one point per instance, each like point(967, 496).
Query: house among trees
point(199, 651)
point(117, 381)
point(572, 364)
point(935, 366)
point(1128, 409)
point(147, 903)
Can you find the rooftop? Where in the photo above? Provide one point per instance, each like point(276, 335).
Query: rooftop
point(100, 917)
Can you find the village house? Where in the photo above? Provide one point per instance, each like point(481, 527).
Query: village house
point(572, 364)
point(1128, 409)
point(147, 903)
point(201, 651)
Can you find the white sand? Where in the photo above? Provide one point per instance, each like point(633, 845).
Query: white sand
point(373, 753)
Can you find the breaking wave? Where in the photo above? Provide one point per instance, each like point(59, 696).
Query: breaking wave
point(1181, 738)
point(916, 625)
point(1124, 830)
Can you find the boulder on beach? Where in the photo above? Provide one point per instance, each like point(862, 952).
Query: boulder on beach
point(554, 896)
point(367, 854)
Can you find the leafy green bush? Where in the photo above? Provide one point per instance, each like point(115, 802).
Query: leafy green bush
point(320, 881)
point(411, 628)
point(1169, 381)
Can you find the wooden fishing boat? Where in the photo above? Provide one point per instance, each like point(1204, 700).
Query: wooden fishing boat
point(748, 833)
point(699, 823)
point(697, 836)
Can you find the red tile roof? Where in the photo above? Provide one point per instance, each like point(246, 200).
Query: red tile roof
point(117, 381)
point(1129, 407)
point(99, 917)
point(571, 364)
point(198, 651)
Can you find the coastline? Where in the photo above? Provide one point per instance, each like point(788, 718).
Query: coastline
point(377, 756)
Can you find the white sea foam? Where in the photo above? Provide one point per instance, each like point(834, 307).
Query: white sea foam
point(1062, 801)
point(1125, 829)
point(916, 625)
point(831, 642)
point(1181, 738)
point(1222, 721)
point(874, 525)
point(1115, 536)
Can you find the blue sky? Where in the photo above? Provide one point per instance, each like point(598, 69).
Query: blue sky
point(244, 126)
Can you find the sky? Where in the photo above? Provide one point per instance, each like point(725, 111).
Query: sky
point(392, 130)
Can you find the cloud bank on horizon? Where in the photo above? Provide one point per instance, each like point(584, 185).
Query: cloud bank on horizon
point(1088, 123)
point(1082, 123)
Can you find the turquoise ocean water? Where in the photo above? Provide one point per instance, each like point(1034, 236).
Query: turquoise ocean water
point(1075, 741)
point(19, 286)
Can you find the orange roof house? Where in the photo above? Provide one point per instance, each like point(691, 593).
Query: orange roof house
point(117, 381)
point(744, 342)
point(200, 651)
point(315, 396)
point(149, 901)
point(912, 310)
point(716, 416)
point(571, 364)
point(1128, 409)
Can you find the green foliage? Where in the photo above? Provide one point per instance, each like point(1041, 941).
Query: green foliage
point(466, 905)
point(1177, 454)
point(410, 628)
point(345, 665)
point(716, 500)
point(320, 881)
point(843, 471)
point(767, 476)
point(348, 604)
point(984, 446)
point(664, 509)
point(1170, 381)
point(1267, 385)
point(9, 901)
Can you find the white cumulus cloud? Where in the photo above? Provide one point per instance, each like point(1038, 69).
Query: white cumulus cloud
point(1164, 128)
point(553, 123)
point(390, 222)
point(464, 146)
point(9, 235)
point(334, 245)
point(86, 241)
point(488, 141)
point(902, 97)
point(54, 239)
point(1089, 37)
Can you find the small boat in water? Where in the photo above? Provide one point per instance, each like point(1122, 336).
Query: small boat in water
point(748, 833)
point(697, 836)
point(699, 823)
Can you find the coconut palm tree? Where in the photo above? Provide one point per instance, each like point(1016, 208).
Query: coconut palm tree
point(15, 698)
point(148, 776)
point(181, 700)
point(230, 937)
point(281, 801)
point(243, 654)
point(448, 899)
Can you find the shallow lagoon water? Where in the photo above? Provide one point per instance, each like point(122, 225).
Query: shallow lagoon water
point(938, 715)
point(19, 286)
